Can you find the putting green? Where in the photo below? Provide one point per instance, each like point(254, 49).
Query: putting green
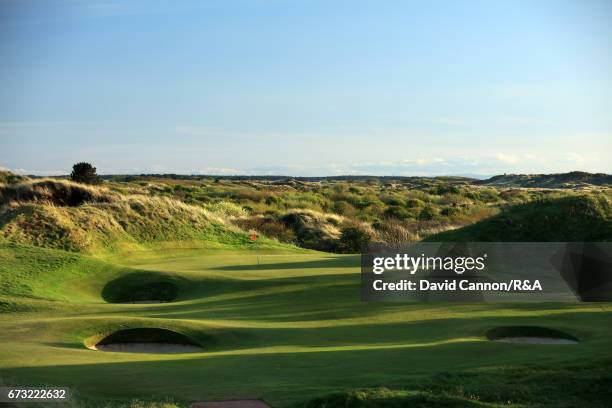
point(282, 325)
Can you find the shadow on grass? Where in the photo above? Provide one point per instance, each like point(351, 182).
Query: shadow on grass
point(285, 294)
point(144, 286)
point(332, 262)
point(456, 371)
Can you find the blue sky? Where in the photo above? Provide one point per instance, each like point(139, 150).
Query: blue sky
point(306, 87)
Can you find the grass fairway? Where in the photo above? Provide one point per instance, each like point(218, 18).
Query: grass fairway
point(283, 325)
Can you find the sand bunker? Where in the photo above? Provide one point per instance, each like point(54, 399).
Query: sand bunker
point(530, 335)
point(231, 404)
point(147, 340)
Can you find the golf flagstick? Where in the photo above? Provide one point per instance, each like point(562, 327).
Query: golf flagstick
point(254, 238)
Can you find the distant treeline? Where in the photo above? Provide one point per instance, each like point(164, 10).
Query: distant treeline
point(134, 177)
point(558, 180)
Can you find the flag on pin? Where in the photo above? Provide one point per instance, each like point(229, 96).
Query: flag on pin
point(254, 236)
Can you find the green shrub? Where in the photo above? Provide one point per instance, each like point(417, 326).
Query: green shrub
point(414, 203)
point(353, 238)
point(343, 208)
point(428, 212)
point(450, 211)
point(398, 212)
point(85, 173)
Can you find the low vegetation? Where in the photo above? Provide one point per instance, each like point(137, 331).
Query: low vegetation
point(565, 386)
point(572, 179)
point(7, 177)
point(566, 219)
point(76, 217)
point(333, 215)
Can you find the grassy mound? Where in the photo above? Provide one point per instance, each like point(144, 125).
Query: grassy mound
point(7, 177)
point(40, 273)
point(56, 192)
point(567, 219)
point(312, 229)
point(65, 215)
point(565, 385)
point(385, 398)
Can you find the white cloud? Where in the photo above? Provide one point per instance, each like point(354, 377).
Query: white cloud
point(576, 158)
point(507, 158)
point(225, 171)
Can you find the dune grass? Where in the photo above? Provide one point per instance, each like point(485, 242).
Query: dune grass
point(65, 215)
point(565, 219)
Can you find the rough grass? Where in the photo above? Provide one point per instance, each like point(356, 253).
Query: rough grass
point(566, 219)
point(565, 386)
point(70, 216)
point(7, 177)
point(386, 398)
point(313, 229)
point(144, 210)
point(399, 209)
point(54, 191)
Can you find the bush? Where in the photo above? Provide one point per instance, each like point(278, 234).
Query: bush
point(428, 213)
point(85, 173)
point(450, 211)
point(445, 189)
point(343, 208)
point(414, 203)
point(353, 238)
point(397, 212)
point(393, 201)
point(227, 209)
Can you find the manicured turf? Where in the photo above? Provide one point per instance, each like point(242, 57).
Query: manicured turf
point(283, 325)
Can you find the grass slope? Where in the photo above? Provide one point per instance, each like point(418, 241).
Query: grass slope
point(64, 215)
point(286, 326)
point(567, 219)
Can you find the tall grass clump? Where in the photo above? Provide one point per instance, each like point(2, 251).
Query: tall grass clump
point(65, 215)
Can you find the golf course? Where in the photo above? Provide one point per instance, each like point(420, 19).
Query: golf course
point(305, 204)
point(131, 299)
point(283, 325)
